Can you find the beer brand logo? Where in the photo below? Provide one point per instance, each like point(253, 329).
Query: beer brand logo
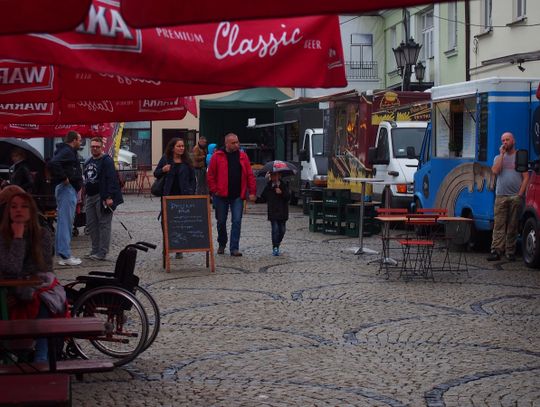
point(104, 29)
point(227, 41)
point(161, 105)
point(20, 77)
point(26, 109)
point(96, 105)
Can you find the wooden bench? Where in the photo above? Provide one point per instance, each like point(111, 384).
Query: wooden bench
point(54, 329)
point(51, 389)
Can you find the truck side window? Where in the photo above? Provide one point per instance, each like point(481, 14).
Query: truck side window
point(307, 147)
point(382, 145)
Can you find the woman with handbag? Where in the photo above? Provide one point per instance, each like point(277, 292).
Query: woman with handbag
point(26, 249)
point(176, 172)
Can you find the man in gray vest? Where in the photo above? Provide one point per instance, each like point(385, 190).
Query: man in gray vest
point(509, 193)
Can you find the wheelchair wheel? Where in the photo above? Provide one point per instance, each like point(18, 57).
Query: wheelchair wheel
point(126, 324)
point(152, 312)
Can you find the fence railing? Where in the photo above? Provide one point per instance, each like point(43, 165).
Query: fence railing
point(362, 70)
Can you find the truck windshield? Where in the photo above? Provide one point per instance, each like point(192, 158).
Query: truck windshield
point(407, 137)
point(317, 141)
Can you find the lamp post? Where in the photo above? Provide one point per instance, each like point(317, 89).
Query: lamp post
point(406, 55)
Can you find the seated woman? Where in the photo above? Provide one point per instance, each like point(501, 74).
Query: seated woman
point(26, 249)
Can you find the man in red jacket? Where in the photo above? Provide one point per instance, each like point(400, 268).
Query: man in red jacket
point(230, 178)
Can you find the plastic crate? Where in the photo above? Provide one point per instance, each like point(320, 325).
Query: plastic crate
point(316, 209)
point(316, 225)
point(333, 228)
point(333, 213)
point(336, 197)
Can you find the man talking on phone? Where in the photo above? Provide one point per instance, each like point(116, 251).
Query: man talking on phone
point(509, 194)
point(103, 195)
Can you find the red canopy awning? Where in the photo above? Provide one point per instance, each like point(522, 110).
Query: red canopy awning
point(26, 16)
point(155, 13)
point(295, 52)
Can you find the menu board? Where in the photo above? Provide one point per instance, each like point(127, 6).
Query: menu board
point(187, 226)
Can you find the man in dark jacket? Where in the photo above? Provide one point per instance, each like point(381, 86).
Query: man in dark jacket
point(103, 195)
point(66, 171)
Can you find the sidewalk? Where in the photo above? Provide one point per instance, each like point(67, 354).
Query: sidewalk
point(318, 327)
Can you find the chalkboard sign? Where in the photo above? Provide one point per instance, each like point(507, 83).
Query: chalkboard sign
point(187, 226)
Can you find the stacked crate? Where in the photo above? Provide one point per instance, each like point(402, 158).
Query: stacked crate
point(334, 204)
point(316, 216)
point(352, 218)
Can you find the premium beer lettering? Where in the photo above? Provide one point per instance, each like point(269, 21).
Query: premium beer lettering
point(31, 74)
point(97, 18)
point(179, 35)
point(227, 43)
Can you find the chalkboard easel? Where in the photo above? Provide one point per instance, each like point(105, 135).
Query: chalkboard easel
point(187, 227)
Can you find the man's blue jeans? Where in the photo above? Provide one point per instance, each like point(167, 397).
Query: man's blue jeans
point(222, 206)
point(278, 231)
point(66, 201)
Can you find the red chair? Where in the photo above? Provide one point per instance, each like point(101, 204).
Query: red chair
point(418, 246)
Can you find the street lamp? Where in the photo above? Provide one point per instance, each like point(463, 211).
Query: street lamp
point(419, 71)
point(406, 55)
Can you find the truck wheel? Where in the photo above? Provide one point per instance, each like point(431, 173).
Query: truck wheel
point(531, 244)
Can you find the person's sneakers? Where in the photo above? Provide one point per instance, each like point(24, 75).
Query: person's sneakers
point(494, 256)
point(72, 261)
point(179, 256)
point(89, 256)
point(275, 251)
point(511, 257)
point(236, 253)
point(221, 250)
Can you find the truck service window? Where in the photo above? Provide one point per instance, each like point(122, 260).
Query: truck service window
point(455, 128)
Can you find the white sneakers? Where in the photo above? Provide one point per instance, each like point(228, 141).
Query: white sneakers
point(72, 261)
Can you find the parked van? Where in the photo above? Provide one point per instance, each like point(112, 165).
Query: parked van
point(313, 160)
point(392, 164)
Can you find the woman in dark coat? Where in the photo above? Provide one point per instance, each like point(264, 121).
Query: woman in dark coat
point(19, 173)
point(176, 167)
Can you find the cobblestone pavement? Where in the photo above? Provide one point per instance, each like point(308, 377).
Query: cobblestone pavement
point(319, 327)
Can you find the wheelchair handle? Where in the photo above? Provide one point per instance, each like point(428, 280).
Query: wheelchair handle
point(137, 246)
point(149, 245)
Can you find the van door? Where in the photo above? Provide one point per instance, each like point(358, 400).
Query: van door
point(422, 194)
point(383, 160)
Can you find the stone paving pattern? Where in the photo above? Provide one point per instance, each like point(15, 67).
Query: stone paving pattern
point(318, 326)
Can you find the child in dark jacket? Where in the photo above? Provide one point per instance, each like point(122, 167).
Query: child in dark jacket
point(276, 194)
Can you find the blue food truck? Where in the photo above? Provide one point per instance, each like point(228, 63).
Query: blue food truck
point(467, 121)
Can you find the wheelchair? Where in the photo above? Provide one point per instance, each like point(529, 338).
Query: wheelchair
point(129, 312)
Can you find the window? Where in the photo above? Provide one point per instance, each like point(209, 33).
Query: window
point(138, 141)
point(452, 26)
point(455, 128)
point(393, 44)
point(427, 35)
point(361, 47)
point(383, 153)
point(520, 9)
point(486, 14)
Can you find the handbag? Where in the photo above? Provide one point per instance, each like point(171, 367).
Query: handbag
point(157, 187)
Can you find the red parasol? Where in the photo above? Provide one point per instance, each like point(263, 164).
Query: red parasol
point(294, 52)
point(92, 111)
point(144, 13)
point(40, 130)
point(32, 82)
point(24, 16)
